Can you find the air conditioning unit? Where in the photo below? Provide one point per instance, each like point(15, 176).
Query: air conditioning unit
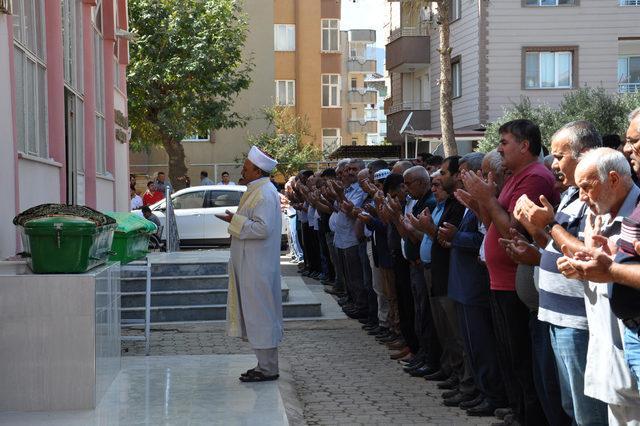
point(5, 7)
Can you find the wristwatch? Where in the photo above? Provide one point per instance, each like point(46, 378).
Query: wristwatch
point(549, 227)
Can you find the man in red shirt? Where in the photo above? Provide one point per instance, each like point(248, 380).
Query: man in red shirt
point(151, 196)
point(520, 147)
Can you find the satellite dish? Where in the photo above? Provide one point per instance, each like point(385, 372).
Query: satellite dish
point(406, 123)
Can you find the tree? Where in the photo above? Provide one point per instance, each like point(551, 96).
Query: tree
point(441, 10)
point(284, 140)
point(185, 70)
point(608, 112)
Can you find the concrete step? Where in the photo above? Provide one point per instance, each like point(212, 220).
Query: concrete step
point(179, 269)
point(173, 283)
point(213, 312)
point(183, 298)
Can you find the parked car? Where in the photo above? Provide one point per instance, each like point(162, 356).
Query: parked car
point(195, 210)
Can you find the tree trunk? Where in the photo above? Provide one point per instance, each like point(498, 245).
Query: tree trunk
point(446, 112)
point(177, 166)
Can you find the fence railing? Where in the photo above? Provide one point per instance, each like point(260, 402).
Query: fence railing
point(410, 106)
point(407, 32)
point(629, 87)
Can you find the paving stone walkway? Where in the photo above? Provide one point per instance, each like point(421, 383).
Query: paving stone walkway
point(340, 374)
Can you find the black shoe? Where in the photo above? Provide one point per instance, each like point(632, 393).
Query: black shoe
point(450, 383)
point(425, 370)
point(409, 369)
point(475, 402)
point(377, 330)
point(412, 362)
point(449, 394)
point(455, 401)
point(438, 376)
point(387, 339)
point(357, 315)
point(364, 321)
point(501, 413)
point(370, 327)
point(485, 409)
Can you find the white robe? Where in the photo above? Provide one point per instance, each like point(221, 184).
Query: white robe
point(254, 306)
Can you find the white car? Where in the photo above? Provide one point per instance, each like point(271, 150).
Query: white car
point(195, 210)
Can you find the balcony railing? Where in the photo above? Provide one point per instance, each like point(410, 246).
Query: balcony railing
point(363, 96)
point(361, 126)
point(629, 2)
point(409, 106)
point(408, 32)
point(629, 87)
point(363, 65)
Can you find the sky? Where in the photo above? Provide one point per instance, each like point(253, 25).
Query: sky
point(365, 14)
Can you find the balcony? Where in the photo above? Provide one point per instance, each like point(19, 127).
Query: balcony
point(397, 114)
point(629, 87)
point(363, 36)
point(409, 49)
point(363, 96)
point(358, 126)
point(361, 65)
point(391, 108)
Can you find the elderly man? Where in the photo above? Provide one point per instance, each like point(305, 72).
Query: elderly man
point(561, 300)
point(604, 178)
point(254, 307)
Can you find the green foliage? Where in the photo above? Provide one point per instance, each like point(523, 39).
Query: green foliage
point(284, 140)
point(185, 69)
point(608, 112)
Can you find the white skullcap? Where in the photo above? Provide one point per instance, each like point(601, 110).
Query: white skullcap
point(261, 160)
point(381, 174)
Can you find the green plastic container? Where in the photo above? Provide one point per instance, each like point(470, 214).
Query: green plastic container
point(65, 244)
point(131, 238)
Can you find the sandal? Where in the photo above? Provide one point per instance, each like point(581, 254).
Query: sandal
point(257, 376)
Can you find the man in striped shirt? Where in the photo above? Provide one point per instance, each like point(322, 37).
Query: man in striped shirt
point(561, 299)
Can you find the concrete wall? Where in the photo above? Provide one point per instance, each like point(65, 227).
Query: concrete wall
point(39, 183)
point(595, 28)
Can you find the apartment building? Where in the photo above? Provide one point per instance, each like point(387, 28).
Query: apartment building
point(63, 107)
point(358, 101)
point(505, 49)
point(302, 61)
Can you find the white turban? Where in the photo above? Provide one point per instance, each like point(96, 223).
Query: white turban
point(261, 160)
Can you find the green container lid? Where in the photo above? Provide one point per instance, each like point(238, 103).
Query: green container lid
point(69, 225)
point(130, 223)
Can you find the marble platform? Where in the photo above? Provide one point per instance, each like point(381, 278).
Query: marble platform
point(59, 337)
point(175, 390)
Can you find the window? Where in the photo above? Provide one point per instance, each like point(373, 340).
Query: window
point(550, 2)
point(455, 10)
point(198, 137)
point(354, 83)
point(629, 2)
point(98, 75)
point(330, 90)
point(222, 198)
point(190, 200)
point(331, 140)
point(628, 74)
point(284, 37)
point(548, 70)
point(72, 43)
point(456, 78)
point(285, 92)
point(330, 35)
point(31, 80)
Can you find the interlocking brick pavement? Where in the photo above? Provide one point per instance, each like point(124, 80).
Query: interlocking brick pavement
point(342, 376)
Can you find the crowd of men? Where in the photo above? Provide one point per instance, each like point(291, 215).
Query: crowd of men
point(514, 285)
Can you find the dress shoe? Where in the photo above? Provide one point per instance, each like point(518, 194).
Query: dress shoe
point(357, 315)
point(500, 413)
point(408, 369)
point(484, 409)
point(332, 290)
point(412, 362)
point(364, 321)
point(406, 357)
point(450, 393)
point(438, 376)
point(450, 383)
point(370, 328)
point(397, 344)
point(455, 401)
point(422, 371)
point(475, 402)
point(374, 331)
point(401, 353)
point(388, 339)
